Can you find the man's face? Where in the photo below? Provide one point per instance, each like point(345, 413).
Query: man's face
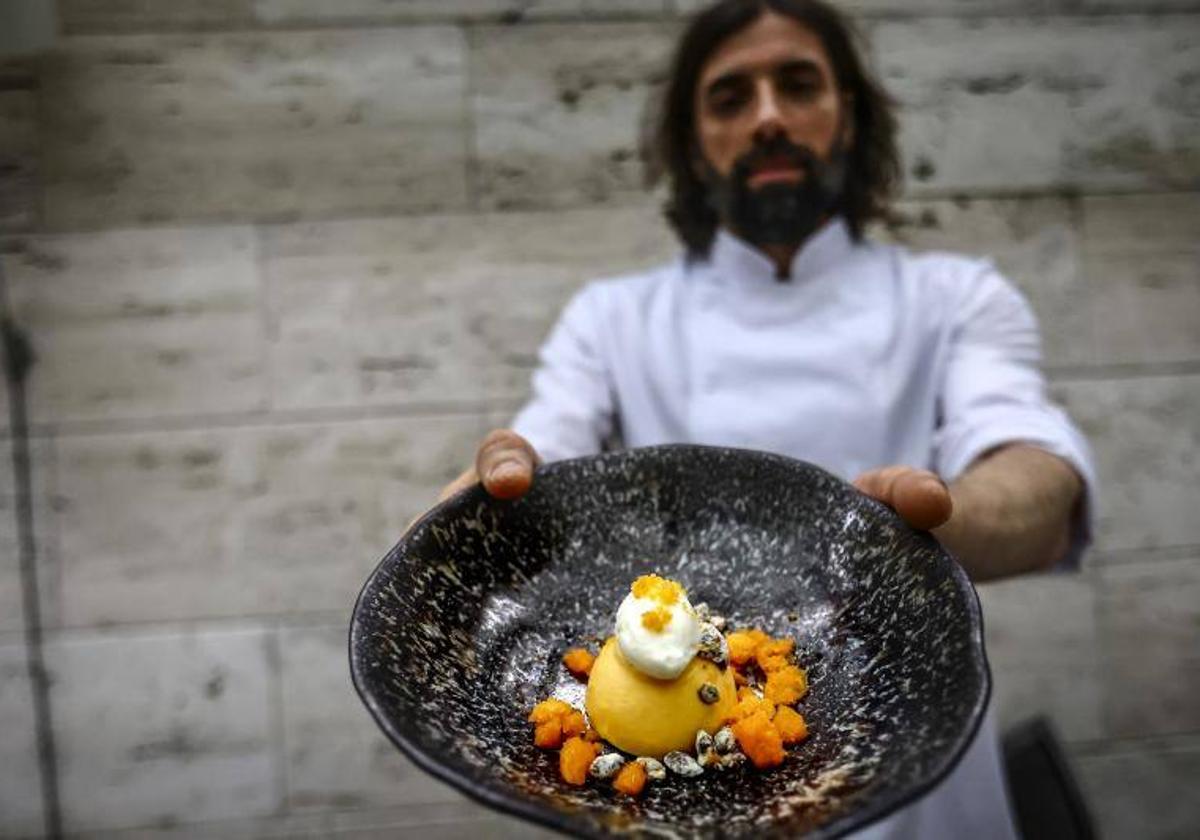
point(770, 121)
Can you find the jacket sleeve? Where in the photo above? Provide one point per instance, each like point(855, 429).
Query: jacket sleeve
point(994, 392)
point(571, 410)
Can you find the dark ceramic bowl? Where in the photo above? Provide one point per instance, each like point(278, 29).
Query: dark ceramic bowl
point(459, 632)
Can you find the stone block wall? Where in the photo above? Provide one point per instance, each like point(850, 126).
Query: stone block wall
point(284, 261)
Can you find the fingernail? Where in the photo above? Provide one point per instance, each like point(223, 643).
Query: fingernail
point(505, 469)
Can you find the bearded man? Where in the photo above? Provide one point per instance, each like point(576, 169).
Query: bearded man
point(782, 327)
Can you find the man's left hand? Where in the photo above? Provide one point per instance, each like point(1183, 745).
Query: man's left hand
point(919, 496)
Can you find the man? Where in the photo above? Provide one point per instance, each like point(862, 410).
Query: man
point(782, 328)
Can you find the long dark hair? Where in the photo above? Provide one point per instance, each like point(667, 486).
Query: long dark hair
point(670, 146)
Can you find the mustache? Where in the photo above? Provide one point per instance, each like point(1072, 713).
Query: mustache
point(775, 151)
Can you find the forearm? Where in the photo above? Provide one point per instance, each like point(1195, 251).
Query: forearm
point(1012, 513)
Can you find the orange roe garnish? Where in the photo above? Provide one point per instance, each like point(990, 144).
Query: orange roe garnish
point(749, 704)
point(656, 619)
point(576, 757)
point(573, 724)
point(655, 588)
point(548, 735)
point(762, 725)
point(553, 721)
point(548, 710)
point(759, 740)
point(579, 662)
point(631, 779)
point(743, 644)
point(786, 685)
point(791, 725)
point(774, 654)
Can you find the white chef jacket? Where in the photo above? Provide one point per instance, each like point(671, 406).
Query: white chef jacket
point(866, 355)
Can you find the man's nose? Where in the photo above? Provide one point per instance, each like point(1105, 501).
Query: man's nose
point(768, 119)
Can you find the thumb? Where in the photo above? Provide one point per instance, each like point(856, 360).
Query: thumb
point(505, 464)
point(919, 496)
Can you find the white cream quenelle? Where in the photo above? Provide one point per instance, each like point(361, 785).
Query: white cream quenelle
point(652, 688)
point(658, 630)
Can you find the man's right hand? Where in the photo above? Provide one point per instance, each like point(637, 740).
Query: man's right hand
point(504, 463)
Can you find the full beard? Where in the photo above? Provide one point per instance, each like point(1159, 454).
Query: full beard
point(779, 213)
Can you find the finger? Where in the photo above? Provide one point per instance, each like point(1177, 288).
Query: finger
point(878, 483)
point(919, 496)
point(505, 464)
point(411, 523)
point(865, 482)
point(465, 479)
point(922, 499)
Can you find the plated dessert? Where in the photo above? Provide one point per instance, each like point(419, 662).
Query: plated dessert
point(672, 695)
point(477, 605)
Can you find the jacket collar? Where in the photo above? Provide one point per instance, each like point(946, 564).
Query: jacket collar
point(732, 260)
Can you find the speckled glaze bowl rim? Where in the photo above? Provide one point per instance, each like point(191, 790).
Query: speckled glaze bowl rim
point(558, 821)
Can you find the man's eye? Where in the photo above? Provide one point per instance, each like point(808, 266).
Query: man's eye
point(799, 87)
point(726, 103)
point(728, 97)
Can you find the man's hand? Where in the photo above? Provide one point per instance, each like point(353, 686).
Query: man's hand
point(919, 496)
point(1013, 508)
point(504, 463)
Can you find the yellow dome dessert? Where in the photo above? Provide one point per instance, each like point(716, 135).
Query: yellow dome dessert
point(672, 689)
point(647, 716)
